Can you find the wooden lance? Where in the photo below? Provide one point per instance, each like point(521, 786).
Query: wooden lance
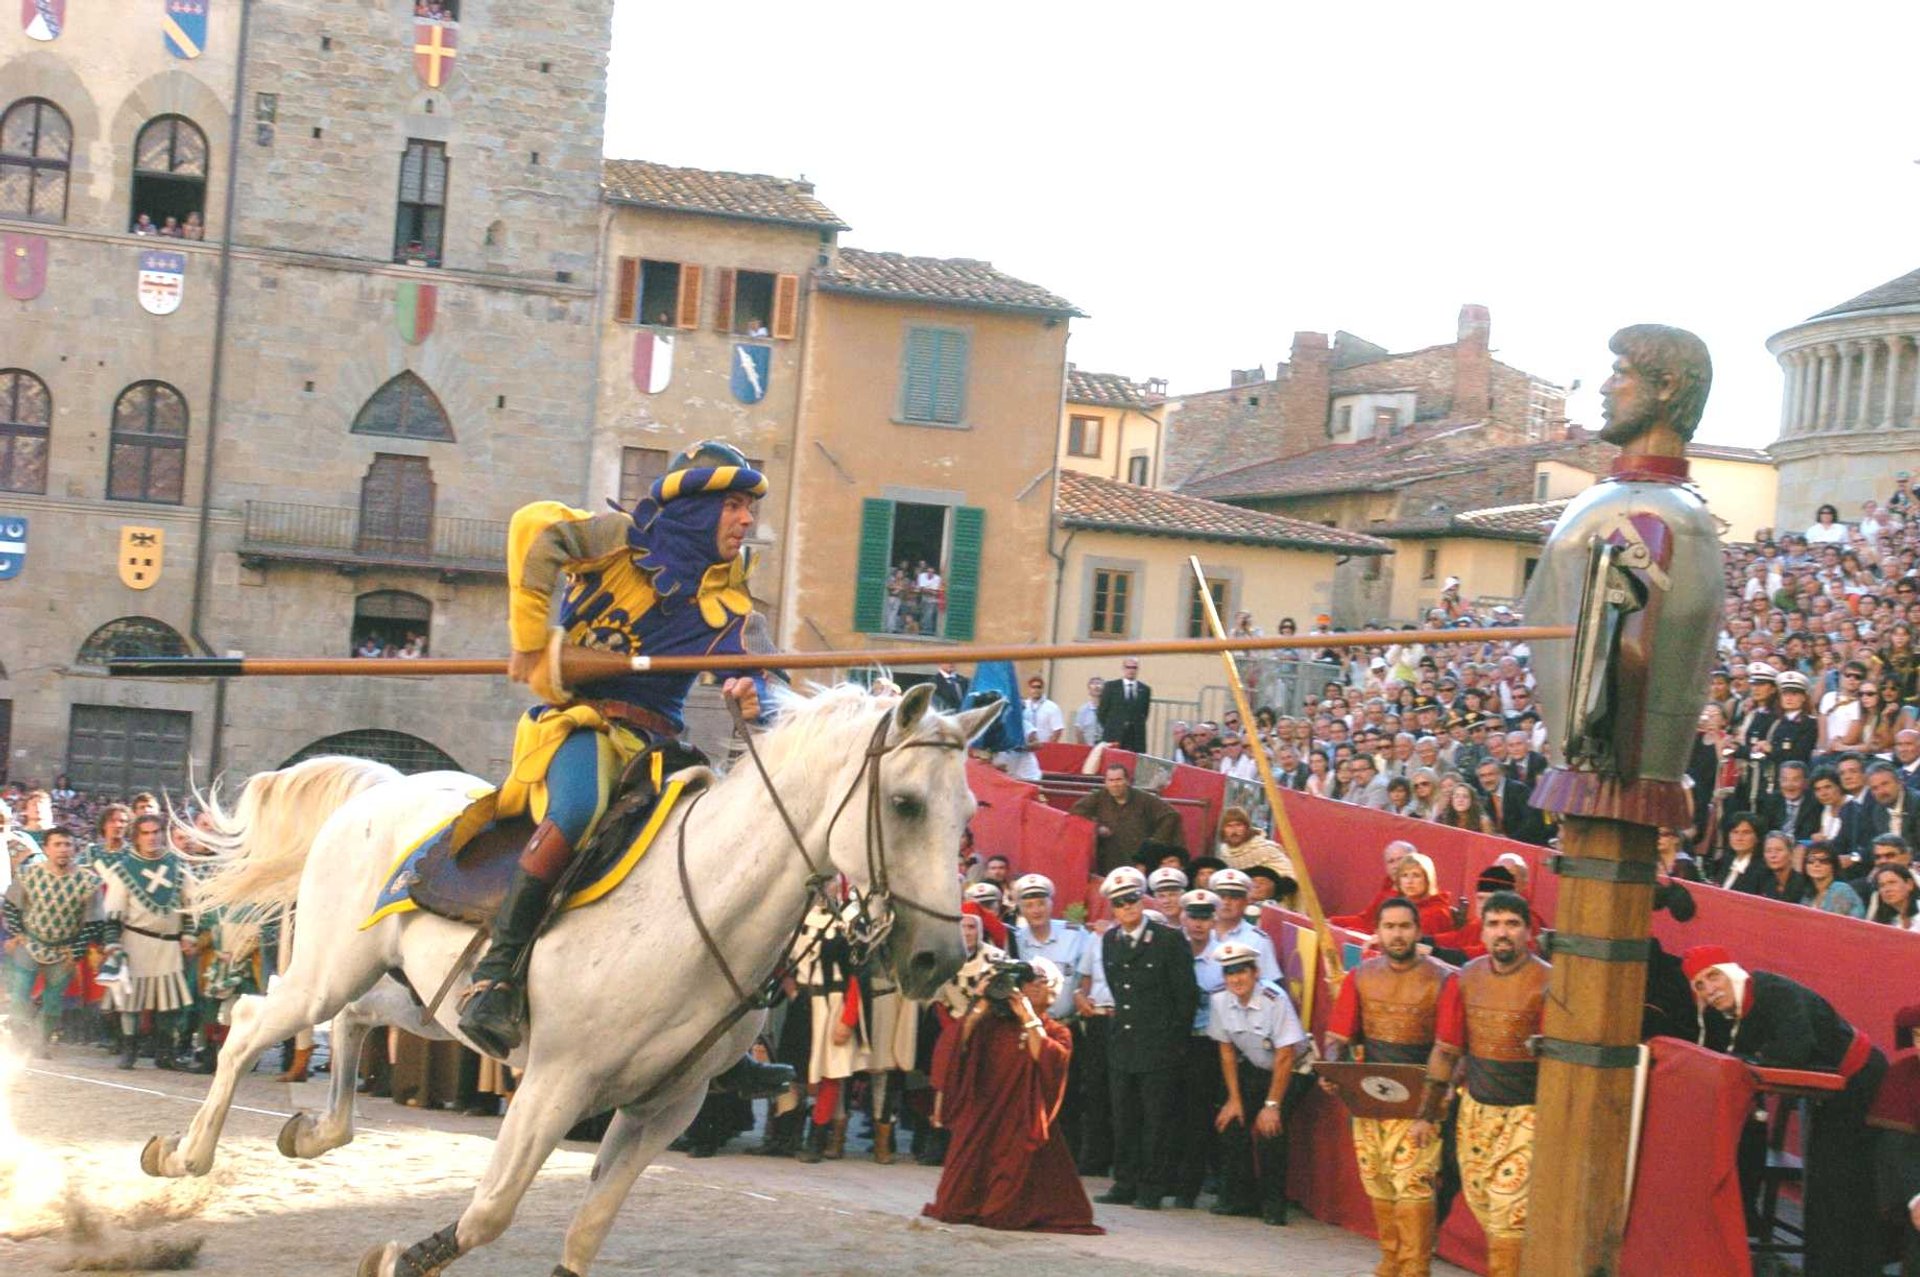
point(1282, 827)
point(581, 665)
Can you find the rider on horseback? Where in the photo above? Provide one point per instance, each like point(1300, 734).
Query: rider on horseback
point(668, 579)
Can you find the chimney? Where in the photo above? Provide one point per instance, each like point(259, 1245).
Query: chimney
point(1472, 366)
point(1303, 396)
point(1246, 376)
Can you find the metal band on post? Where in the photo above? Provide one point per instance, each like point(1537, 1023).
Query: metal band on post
point(1590, 1055)
point(1598, 948)
point(1638, 872)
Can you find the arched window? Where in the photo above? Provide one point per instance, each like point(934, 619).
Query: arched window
point(391, 623)
point(36, 144)
point(26, 416)
point(148, 461)
point(132, 636)
point(170, 177)
point(406, 408)
point(396, 749)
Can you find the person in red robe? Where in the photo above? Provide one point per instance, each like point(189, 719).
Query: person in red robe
point(1008, 1165)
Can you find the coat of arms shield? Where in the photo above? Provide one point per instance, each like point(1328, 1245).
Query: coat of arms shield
point(163, 278)
point(141, 553)
point(42, 19)
point(13, 545)
point(25, 266)
point(652, 361)
point(751, 367)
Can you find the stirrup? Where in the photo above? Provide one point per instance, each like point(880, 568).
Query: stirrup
point(478, 987)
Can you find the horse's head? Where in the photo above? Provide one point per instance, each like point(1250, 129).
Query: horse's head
point(899, 833)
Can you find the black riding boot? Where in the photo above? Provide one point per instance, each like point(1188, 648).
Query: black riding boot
point(494, 1017)
point(755, 1081)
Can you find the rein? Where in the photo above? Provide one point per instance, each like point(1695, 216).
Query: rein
point(868, 928)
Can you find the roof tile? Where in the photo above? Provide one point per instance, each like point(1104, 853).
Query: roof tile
point(753, 196)
point(1904, 291)
point(944, 280)
point(1087, 501)
point(1107, 390)
point(1426, 451)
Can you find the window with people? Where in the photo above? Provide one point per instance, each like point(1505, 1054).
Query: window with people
point(391, 624)
point(919, 569)
point(170, 179)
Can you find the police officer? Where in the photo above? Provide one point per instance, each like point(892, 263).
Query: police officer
point(1230, 924)
point(1148, 969)
point(1068, 946)
point(1166, 884)
point(1200, 1094)
point(1261, 1044)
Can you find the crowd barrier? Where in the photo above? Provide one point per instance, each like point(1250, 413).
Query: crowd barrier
point(1686, 1214)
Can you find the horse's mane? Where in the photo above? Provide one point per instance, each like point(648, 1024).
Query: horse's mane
point(803, 720)
point(260, 845)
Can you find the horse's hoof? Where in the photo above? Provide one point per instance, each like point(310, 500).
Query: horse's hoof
point(289, 1141)
point(153, 1157)
point(379, 1261)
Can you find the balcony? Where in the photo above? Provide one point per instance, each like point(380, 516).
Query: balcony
point(282, 532)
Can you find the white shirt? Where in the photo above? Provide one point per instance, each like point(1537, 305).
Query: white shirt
point(1241, 768)
point(1044, 721)
point(928, 581)
point(1086, 723)
point(1827, 534)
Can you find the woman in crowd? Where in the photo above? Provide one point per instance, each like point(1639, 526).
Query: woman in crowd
point(1737, 865)
point(1825, 890)
point(1464, 810)
point(1778, 879)
point(1825, 784)
point(1899, 666)
point(1879, 716)
point(1826, 528)
point(1415, 878)
point(1893, 898)
point(1319, 781)
point(1675, 860)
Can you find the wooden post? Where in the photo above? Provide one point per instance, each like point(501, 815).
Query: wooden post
point(1577, 1206)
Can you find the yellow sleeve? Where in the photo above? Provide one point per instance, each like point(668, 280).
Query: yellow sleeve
point(544, 540)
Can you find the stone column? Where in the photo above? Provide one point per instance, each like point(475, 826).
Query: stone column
point(1823, 403)
point(1894, 345)
point(1809, 387)
point(1863, 418)
point(1786, 395)
point(1840, 420)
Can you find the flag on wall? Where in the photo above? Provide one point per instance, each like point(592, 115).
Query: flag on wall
point(25, 269)
point(652, 361)
point(184, 24)
point(751, 366)
point(413, 310)
point(43, 19)
point(13, 545)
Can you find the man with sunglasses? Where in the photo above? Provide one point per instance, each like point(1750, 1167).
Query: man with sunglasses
point(1147, 969)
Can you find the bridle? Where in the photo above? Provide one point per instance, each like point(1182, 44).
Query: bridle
point(868, 915)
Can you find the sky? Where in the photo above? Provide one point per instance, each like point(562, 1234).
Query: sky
point(1205, 179)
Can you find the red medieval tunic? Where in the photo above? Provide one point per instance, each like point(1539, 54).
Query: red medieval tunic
point(1008, 1166)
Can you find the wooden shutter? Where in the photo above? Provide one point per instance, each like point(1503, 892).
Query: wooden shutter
point(916, 391)
point(722, 299)
point(396, 506)
point(626, 290)
point(876, 553)
point(949, 377)
point(688, 310)
point(963, 572)
point(786, 305)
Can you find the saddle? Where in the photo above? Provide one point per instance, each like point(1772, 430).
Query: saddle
point(463, 871)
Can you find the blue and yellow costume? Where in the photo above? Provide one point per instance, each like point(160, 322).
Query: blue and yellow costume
point(653, 581)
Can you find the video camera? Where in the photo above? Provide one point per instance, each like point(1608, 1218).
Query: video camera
point(1005, 976)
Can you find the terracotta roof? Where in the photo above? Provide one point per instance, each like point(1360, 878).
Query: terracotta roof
point(1528, 522)
point(1107, 390)
point(1086, 501)
point(1903, 292)
point(1425, 451)
point(752, 196)
point(1728, 452)
point(952, 281)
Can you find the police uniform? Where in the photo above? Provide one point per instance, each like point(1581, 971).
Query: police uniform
point(1196, 1151)
point(1255, 1031)
point(1245, 931)
point(1149, 975)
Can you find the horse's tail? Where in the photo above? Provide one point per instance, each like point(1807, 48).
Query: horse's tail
point(260, 845)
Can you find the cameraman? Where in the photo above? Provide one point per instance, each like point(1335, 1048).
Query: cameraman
point(1008, 1165)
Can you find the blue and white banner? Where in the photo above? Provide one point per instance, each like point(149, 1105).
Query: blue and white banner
point(13, 545)
point(751, 368)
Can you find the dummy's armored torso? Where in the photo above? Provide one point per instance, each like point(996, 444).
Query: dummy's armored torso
point(1501, 1013)
point(1654, 677)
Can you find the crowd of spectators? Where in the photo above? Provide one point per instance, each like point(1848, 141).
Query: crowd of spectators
point(171, 227)
point(378, 647)
point(436, 10)
point(916, 598)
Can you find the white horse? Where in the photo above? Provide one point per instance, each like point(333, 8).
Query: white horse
point(627, 1001)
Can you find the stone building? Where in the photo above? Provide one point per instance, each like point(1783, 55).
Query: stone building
point(1850, 401)
point(1349, 391)
point(324, 407)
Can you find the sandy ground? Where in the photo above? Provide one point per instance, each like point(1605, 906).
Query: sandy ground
point(81, 1123)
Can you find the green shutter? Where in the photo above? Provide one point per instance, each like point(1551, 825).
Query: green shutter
point(876, 549)
point(934, 382)
point(963, 571)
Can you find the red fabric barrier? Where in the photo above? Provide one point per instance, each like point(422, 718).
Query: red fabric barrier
point(1686, 1215)
point(1202, 823)
point(1013, 820)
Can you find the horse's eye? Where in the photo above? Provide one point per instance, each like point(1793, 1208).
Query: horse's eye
point(907, 807)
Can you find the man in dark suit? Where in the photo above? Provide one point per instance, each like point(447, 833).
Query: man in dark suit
point(1124, 703)
point(1524, 762)
point(1906, 756)
point(1507, 804)
point(950, 688)
point(1889, 806)
point(1147, 971)
point(1790, 806)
